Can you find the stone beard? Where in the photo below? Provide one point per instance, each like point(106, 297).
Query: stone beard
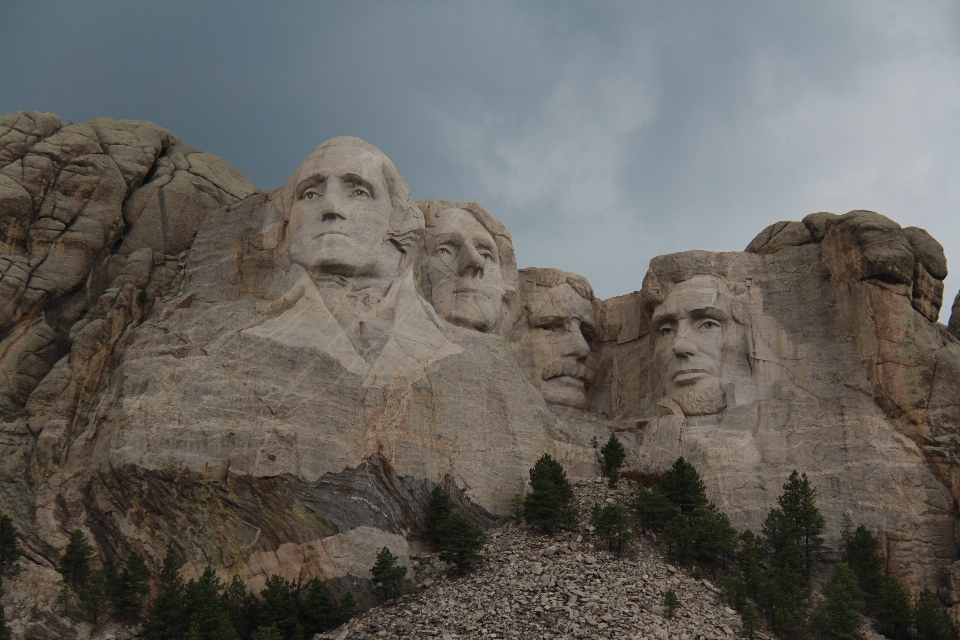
point(691, 329)
point(461, 273)
point(551, 341)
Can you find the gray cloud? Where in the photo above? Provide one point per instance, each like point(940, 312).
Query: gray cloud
point(602, 134)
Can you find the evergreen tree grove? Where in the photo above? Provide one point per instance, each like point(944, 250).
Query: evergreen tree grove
point(130, 587)
point(838, 616)
point(438, 508)
point(614, 456)
point(611, 525)
point(930, 620)
point(460, 541)
point(799, 504)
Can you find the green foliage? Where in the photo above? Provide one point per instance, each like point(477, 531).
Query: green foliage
point(438, 508)
point(9, 551)
point(613, 478)
point(614, 456)
point(784, 594)
point(671, 602)
point(679, 534)
point(130, 587)
point(930, 620)
point(279, 607)
point(612, 525)
point(167, 615)
point(714, 538)
point(893, 613)
point(751, 621)
point(267, 633)
point(347, 607)
point(460, 541)
point(550, 505)
point(93, 595)
point(205, 607)
point(733, 589)
point(75, 563)
point(838, 615)
point(5, 632)
point(63, 598)
point(516, 506)
point(752, 554)
point(387, 576)
point(859, 551)
point(319, 610)
point(242, 606)
point(799, 504)
point(652, 508)
point(683, 487)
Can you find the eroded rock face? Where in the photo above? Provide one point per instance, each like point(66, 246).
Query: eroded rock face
point(274, 382)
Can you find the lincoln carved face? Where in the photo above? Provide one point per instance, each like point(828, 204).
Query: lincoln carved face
point(462, 270)
point(554, 343)
point(341, 214)
point(690, 330)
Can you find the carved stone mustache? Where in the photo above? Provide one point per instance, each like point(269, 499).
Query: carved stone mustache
point(559, 368)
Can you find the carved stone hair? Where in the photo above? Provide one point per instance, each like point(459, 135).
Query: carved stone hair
point(533, 278)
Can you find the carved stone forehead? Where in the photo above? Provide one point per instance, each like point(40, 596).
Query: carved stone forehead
point(354, 151)
point(561, 301)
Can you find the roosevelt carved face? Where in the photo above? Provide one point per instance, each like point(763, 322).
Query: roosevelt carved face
point(341, 214)
point(690, 329)
point(553, 348)
point(463, 271)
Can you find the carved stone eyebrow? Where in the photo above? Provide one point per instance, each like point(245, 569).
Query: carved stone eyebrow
point(358, 180)
point(710, 312)
point(662, 317)
point(309, 181)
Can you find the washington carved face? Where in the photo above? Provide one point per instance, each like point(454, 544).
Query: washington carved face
point(554, 348)
point(690, 327)
point(340, 215)
point(463, 271)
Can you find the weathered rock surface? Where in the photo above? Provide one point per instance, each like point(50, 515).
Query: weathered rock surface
point(257, 379)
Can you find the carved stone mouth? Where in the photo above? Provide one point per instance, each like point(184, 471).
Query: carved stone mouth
point(689, 375)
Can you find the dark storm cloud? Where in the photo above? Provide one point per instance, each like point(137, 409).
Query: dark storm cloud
point(602, 134)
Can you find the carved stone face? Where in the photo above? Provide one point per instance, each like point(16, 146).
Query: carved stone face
point(690, 327)
point(553, 349)
point(463, 271)
point(340, 216)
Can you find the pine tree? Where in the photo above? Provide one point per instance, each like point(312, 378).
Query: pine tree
point(387, 576)
point(63, 598)
point(75, 563)
point(93, 596)
point(242, 607)
point(751, 621)
point(611, 525)
point(679, 535)
point(167, 615)
point(930, 620)
point(734, 590)
point(460, 541)
point(714, 537)
point(683, 487)
point(799, 503)
point(130, 587)
point(652, 508)
point(838, 615)
point(671, 602)
point(9, 551)
point(752, 553)
point(268, 633)
point(859, 551)
point(347, 607)
point(784, 592)
point(551, 504)
point(438, 508)
point(279, 606)
point(893, 612)
point(319, 609)
point(204, 605)
point(5, 632)
point(614, 456)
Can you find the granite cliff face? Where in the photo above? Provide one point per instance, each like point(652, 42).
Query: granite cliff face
point(274, 382)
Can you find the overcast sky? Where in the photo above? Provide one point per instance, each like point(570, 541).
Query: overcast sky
point(601, 134)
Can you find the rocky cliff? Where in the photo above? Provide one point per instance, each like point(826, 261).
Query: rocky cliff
point(274, 382)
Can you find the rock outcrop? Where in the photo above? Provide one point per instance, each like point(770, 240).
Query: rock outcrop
point(274, 382)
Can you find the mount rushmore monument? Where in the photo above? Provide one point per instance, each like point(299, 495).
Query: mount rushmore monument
point(275, 381)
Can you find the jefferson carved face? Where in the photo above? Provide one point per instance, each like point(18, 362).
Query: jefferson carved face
point(553, 348)
point(690, 327)
point(463, 270)
point(341, 214)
